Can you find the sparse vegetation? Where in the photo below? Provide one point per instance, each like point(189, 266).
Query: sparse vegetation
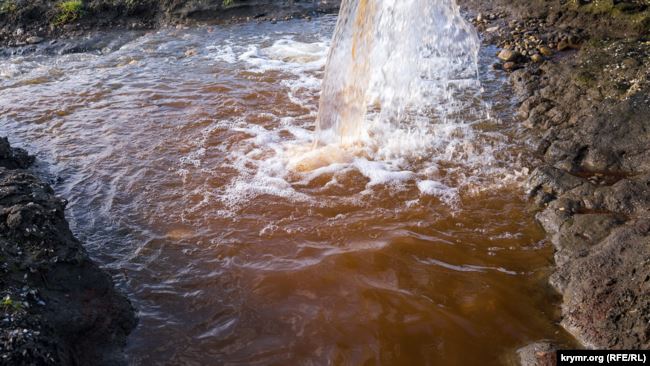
point(69, 11)
point(8, 304)
point(228, 2)
point(8, 6)
point(133, 4)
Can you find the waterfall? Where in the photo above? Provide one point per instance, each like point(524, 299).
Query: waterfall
point(399, 61)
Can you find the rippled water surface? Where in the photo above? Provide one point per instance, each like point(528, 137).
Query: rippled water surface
point(177, 152)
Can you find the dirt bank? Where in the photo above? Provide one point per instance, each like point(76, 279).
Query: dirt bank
point(30, 22)
point(58, 307)
point(581, 71)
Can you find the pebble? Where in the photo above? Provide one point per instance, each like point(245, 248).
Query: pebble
point(536, 57)
point(508, 55)
point(509, 66)
point(545, 51)
point(34, 40)
point(562, 45)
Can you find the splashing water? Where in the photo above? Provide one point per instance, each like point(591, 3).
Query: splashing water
point(402, 60)
point(399, 98)
point(399, 102)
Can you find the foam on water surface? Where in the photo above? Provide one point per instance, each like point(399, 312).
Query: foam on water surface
point(420, 104)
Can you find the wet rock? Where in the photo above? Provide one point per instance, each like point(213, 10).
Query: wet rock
point(538, 354)
point(628, 197)
point(13, 158)
point(62, 309)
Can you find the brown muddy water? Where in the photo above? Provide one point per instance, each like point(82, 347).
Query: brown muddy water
point(174, 149)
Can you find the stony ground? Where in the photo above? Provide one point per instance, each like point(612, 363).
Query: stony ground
point(581, 71)
point(57, 306)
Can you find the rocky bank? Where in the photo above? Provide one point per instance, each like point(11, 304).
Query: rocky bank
point(57, 306)
point(581, 72)
point(27, 23)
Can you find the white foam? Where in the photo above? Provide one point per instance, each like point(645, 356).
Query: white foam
point(286, 55)
point(433, 151)
point(224, 53)
point(433, 188)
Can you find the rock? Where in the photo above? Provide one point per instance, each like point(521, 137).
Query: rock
point(34, 40)
point(562, 45)
point(12, 157)
point(578, 234)
point(551, 180)
point(536, 57)
point(492, 29)
point(540, 353)
point(19, 32)
point(510, 66)
point(508, 55)
point(607, 291)
point(70, 311)
point(546, 51)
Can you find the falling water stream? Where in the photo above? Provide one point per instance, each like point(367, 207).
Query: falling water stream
point(395, 233)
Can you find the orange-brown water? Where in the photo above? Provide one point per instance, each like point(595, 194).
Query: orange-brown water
point(166, 157)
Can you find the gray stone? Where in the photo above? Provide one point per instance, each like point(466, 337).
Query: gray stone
point(540, 353)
